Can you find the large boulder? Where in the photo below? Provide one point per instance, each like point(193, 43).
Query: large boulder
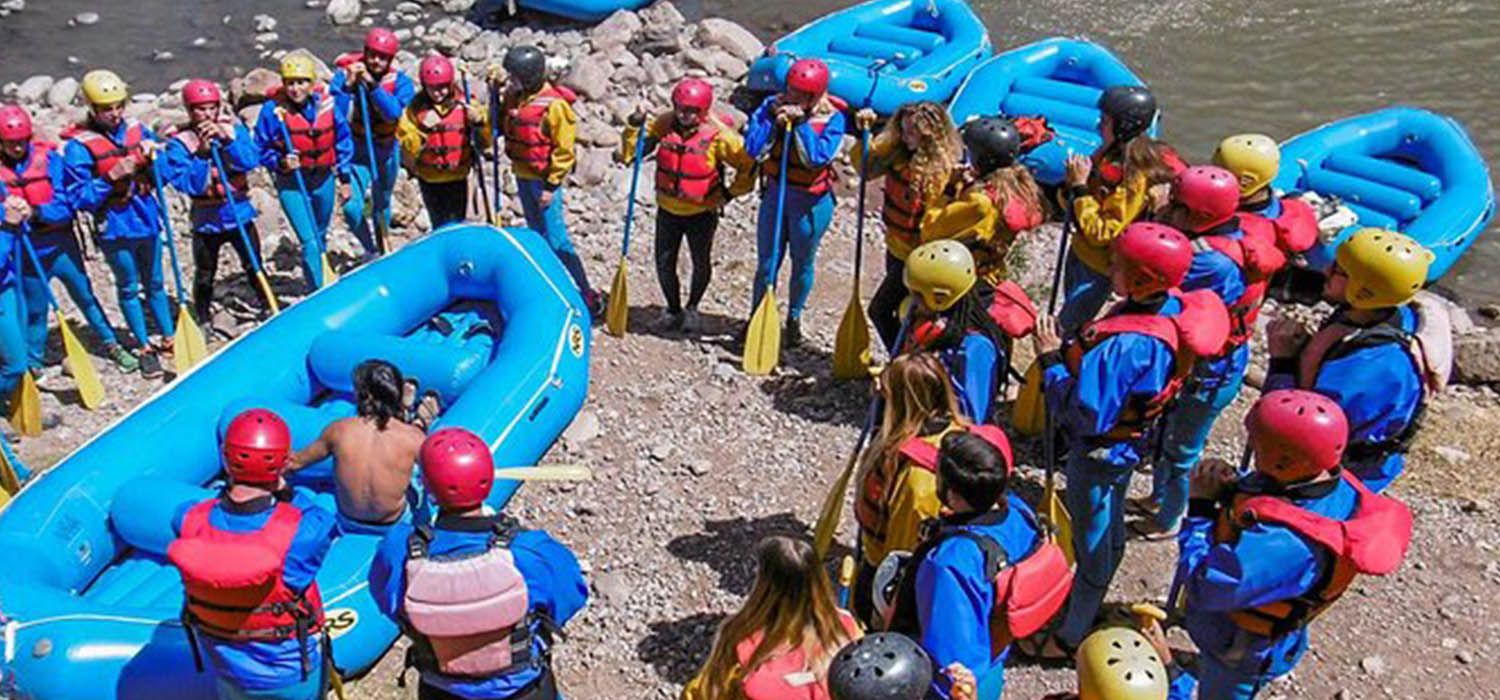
point(616, 30)
point(590, 77)
point(33, 89)
point(342, 11)
point(63, 93)
point(255, 87)
point(663, 14)
point(731, 37)
point(1477, 357)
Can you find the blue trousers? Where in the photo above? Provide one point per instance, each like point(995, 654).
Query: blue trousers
point(803, 222)
point(1096, 500)
point(361, 178)
point(137, 266)
point(314, 688)
point(1186, 428)
point(1085, 292)
point(65, 262)
point(309, 217)
point(12, 343)
point(554, 229)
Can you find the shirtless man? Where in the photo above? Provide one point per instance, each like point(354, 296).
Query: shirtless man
point(373, 452)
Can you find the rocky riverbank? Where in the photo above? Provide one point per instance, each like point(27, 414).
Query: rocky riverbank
point(695, 461)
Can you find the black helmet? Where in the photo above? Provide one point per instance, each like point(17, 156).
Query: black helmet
point(528, 65)
point(881, 666)
point(1132, 107)
point(993, 143)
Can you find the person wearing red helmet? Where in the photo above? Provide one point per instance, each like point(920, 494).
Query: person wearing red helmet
point(434, 136)
point(693, 146)
point(816, 120)
point(1262, 556)
point(227, 546)
point(31, 171)
point(217, 215)
point(1106, 389)
point(388, 91)
point(479, 597)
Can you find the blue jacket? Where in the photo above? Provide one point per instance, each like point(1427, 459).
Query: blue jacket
point(384, 106)
point(271, 136)
point(955, 599)
point(554, 583)
point(1215, 272)
point(1124, 368)
point(972, 367)
point(811, 148)
point(267, 665)
point(136, 217)
point(190, 175)
point(1270, 562)
point(1379, 387)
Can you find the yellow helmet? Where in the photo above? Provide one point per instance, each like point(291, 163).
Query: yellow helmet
point(298, 66)
point(1385, 268)
point(103, 88)
point(1117, 663)
point(941, 272)
point(1253, 158)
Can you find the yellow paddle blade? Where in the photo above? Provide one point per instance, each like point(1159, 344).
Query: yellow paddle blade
point(547, 472)
point(763, 338)
point(90, 389)
point(188, 346)
point(617, 314)
point(26, 407)
point(1062, 523)
point(10, 482)
point(833, 509)
point(328, 276)
point(1029, 414)
point(265, 291)
point(851, 348)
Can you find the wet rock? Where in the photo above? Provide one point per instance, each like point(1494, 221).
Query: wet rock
point(163, 56)
point(409, 8)
point(731, 37)
point(342, 11)
point(13, 5)
point(263, 23)
point(267, 38)
point(84, 19)
point(200, 42)
point(663, 14)
point(590, 77)
point(615, 31)
point(33, 89)
point(63, 93)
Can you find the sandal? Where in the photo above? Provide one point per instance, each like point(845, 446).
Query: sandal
point(1045, 647)
point(1146, 529)
point(1142, 506)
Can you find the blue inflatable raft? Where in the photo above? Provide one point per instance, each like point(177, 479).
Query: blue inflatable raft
point(485, 317)
point(1060, 79)
point(582, 10)
point(1400, 168)
point(883, 53)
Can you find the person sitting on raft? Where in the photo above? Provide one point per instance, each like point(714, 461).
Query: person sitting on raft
point(917, 153)
point(373, 452)
point(1109, 191)
point(480, 598)
point(779, 643)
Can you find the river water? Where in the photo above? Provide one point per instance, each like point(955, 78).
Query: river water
point(1217, 66)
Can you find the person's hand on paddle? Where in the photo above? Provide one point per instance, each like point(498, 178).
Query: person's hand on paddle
point(637, 118)
point(1079, 167)
point(290, 162)
point(358, 72)
point(789, 114)
point(1211, 478)
point(1150, 628)
point(544, 200)
point(1047, 337)
point(123, 168)
point(344, 190)
point(474, 116)
point(209, 131)
point(1161, 196)
point(964, 684)
point(17, 210)
point(864, 119)
point(1284, 337)
point(495, 76)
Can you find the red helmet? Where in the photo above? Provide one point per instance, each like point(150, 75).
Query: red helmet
point(256, 445)
point(200, 92)
point(436, 70)
point(693, 92)
point(457, 468)
point(1296, 434)
point(1152, 257)
point(808, 75)
point(382, 41)
point(15, 123)
point(1209, 192)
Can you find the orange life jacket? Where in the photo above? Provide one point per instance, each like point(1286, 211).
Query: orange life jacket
point(1373, 540)
point(314, 141)
point(526, 137)
point(444, 147)
point(1295, 231)
point(1108, 173)
point(1011, 310)
point(213, 195)
point(381, 129)
point(802, 176)
point(903, 208)
point(107, 154)
point(1258, 259)
point(683, 168)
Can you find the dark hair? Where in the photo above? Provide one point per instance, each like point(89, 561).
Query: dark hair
point(973, 468)
point(377, 391)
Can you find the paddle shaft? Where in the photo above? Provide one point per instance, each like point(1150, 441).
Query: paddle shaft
point(859, 221)
point(378, 219)
point(1062, 257)
point(312, 219)
point(233, 204)
point(484, 191)
point(166, 229)
point(495, 146)
point(635, 179)
point(786, 147)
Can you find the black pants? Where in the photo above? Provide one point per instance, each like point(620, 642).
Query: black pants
point(885, 304)
point(699, 230)
point(206, 264)
point(446, 202)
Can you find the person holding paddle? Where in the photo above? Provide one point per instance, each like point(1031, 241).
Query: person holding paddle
point(369, 80)
point(815, 120)
point(218, 215)
point(434, 132)
point(693, 145)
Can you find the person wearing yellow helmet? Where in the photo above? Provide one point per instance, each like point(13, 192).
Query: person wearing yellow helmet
point(1368, 355)
point(1287, 222)
point(107, 172)
point(302, 132)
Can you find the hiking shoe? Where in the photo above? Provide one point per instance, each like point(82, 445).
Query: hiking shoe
point(150, 365)
point(668, 322)
point(792, 335)
point(124, 359)
point(596, 304)
point(49, 377)
point(692, 321)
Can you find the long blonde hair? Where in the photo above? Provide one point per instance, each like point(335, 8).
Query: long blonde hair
point(1015, 182)
point(933, 163)
point(792, 604)
point(916, 391)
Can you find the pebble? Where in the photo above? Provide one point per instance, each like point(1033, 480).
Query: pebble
point(1464, 657)
point(200, 42)
point(162, 56)
point(1373, 665)
point(85, 19)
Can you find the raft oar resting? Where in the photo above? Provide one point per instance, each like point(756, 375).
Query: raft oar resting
point(617, 314)
point(312, 219)
point(377, 214)
point(26, 401)
point(188, 346)
point(85, 376)
point(254, 254)
point(763, 336)
point(851, 347)
point(547, 472)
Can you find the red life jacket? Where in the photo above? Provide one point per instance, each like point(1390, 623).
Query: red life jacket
point(1011, 310)
point(683, 168)
point(787, 675)
point(1295, 231)
point(903, 208)
point(444, 147)
point(107, 154)
point(798, 174)
point(314, 141)
point(1373, 540)
point(526, 137)
point(871, 508)
point(213, 196)
point(380, 128)
point(233, 580)
point(33, 183)
point(1200, 330)
point(1258, 259)
point(1108, 173)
